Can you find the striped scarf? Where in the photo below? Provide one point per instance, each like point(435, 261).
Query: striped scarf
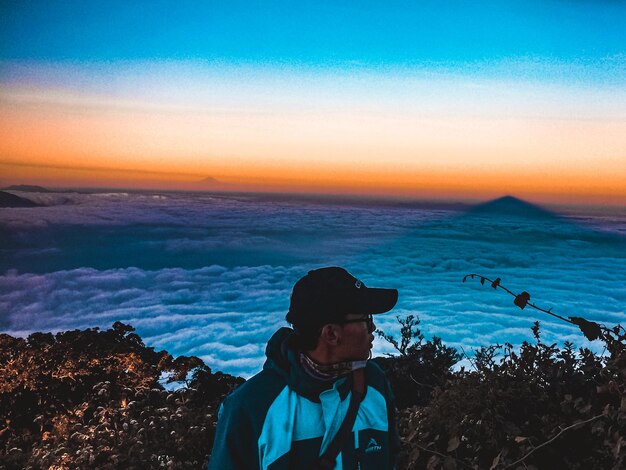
point(329, 372)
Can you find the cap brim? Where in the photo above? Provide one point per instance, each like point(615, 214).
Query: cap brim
point(374, 300)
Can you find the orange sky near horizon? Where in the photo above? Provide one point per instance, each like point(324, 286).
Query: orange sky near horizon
point(454, 187)
point(473, 100)
point(60, 138)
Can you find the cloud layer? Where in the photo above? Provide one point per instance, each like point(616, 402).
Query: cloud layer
point(211, 275)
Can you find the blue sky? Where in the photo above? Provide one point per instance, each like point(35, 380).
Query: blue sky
point(315, 33)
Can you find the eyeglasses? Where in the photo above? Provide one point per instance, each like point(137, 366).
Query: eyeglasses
point(369, 321)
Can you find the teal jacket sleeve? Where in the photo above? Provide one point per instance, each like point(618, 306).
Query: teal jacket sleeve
point(234, 446)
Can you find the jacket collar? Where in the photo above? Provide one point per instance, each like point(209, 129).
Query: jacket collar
point(283, 358)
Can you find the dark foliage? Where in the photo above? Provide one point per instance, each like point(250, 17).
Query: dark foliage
point(541, 407)
point(420, 367)
point(92, 399)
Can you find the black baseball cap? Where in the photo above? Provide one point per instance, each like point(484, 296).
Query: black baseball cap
point(327, 295)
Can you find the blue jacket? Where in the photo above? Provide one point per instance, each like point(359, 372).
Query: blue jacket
point(283, 418)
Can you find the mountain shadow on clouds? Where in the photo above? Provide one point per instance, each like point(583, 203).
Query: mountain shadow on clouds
point(526, 223)
point(503, 235)
point(511, 206)
point(193, 231)
point(568, 264)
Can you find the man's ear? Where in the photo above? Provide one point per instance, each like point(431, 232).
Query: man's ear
point(330, 334)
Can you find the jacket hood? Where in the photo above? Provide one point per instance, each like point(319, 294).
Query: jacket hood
point(283, 360)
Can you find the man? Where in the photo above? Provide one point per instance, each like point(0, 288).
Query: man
point(316, 376)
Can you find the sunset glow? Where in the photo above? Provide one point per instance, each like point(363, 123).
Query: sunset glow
point(545, 128)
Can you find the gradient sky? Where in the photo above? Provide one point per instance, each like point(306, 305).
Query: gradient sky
point(456, 99)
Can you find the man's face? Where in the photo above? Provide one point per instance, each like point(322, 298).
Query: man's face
point(356, 338)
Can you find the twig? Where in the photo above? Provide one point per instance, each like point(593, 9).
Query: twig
point(469, 359)
point(555, 437)
point(603, 351)
point(420, 383)
point(500, 286)
point(497, 285)
point(425, 449)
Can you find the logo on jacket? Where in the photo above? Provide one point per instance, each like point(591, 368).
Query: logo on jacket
point(373, 446)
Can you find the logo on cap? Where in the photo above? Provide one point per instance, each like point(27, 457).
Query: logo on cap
point(358, 284)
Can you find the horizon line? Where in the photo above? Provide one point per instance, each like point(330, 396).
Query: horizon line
point(305, 193)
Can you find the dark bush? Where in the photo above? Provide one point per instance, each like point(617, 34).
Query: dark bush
point(541, 407)
point(92, 399)
point(419, 367)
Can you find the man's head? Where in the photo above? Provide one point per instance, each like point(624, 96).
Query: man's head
point(331, 311)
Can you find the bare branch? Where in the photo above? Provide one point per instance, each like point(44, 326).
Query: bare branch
point(469, 359)
point(420, 383)
point(591, 330)
point(580, 423)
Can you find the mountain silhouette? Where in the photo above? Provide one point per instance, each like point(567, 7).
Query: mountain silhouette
point(28, 188)
point(11, 200)
point(208, 184)
point(210, 180)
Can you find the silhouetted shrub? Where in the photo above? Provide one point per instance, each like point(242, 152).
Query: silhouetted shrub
point(419, 367)
point(522, 410)
point(92, 399)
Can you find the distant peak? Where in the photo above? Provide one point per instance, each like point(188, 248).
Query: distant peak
point(209, 183)
point(28, 188)
point(210, 179)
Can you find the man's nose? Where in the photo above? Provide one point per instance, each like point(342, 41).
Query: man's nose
point(372, 327)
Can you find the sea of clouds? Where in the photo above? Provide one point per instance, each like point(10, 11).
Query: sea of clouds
point(210, 275)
